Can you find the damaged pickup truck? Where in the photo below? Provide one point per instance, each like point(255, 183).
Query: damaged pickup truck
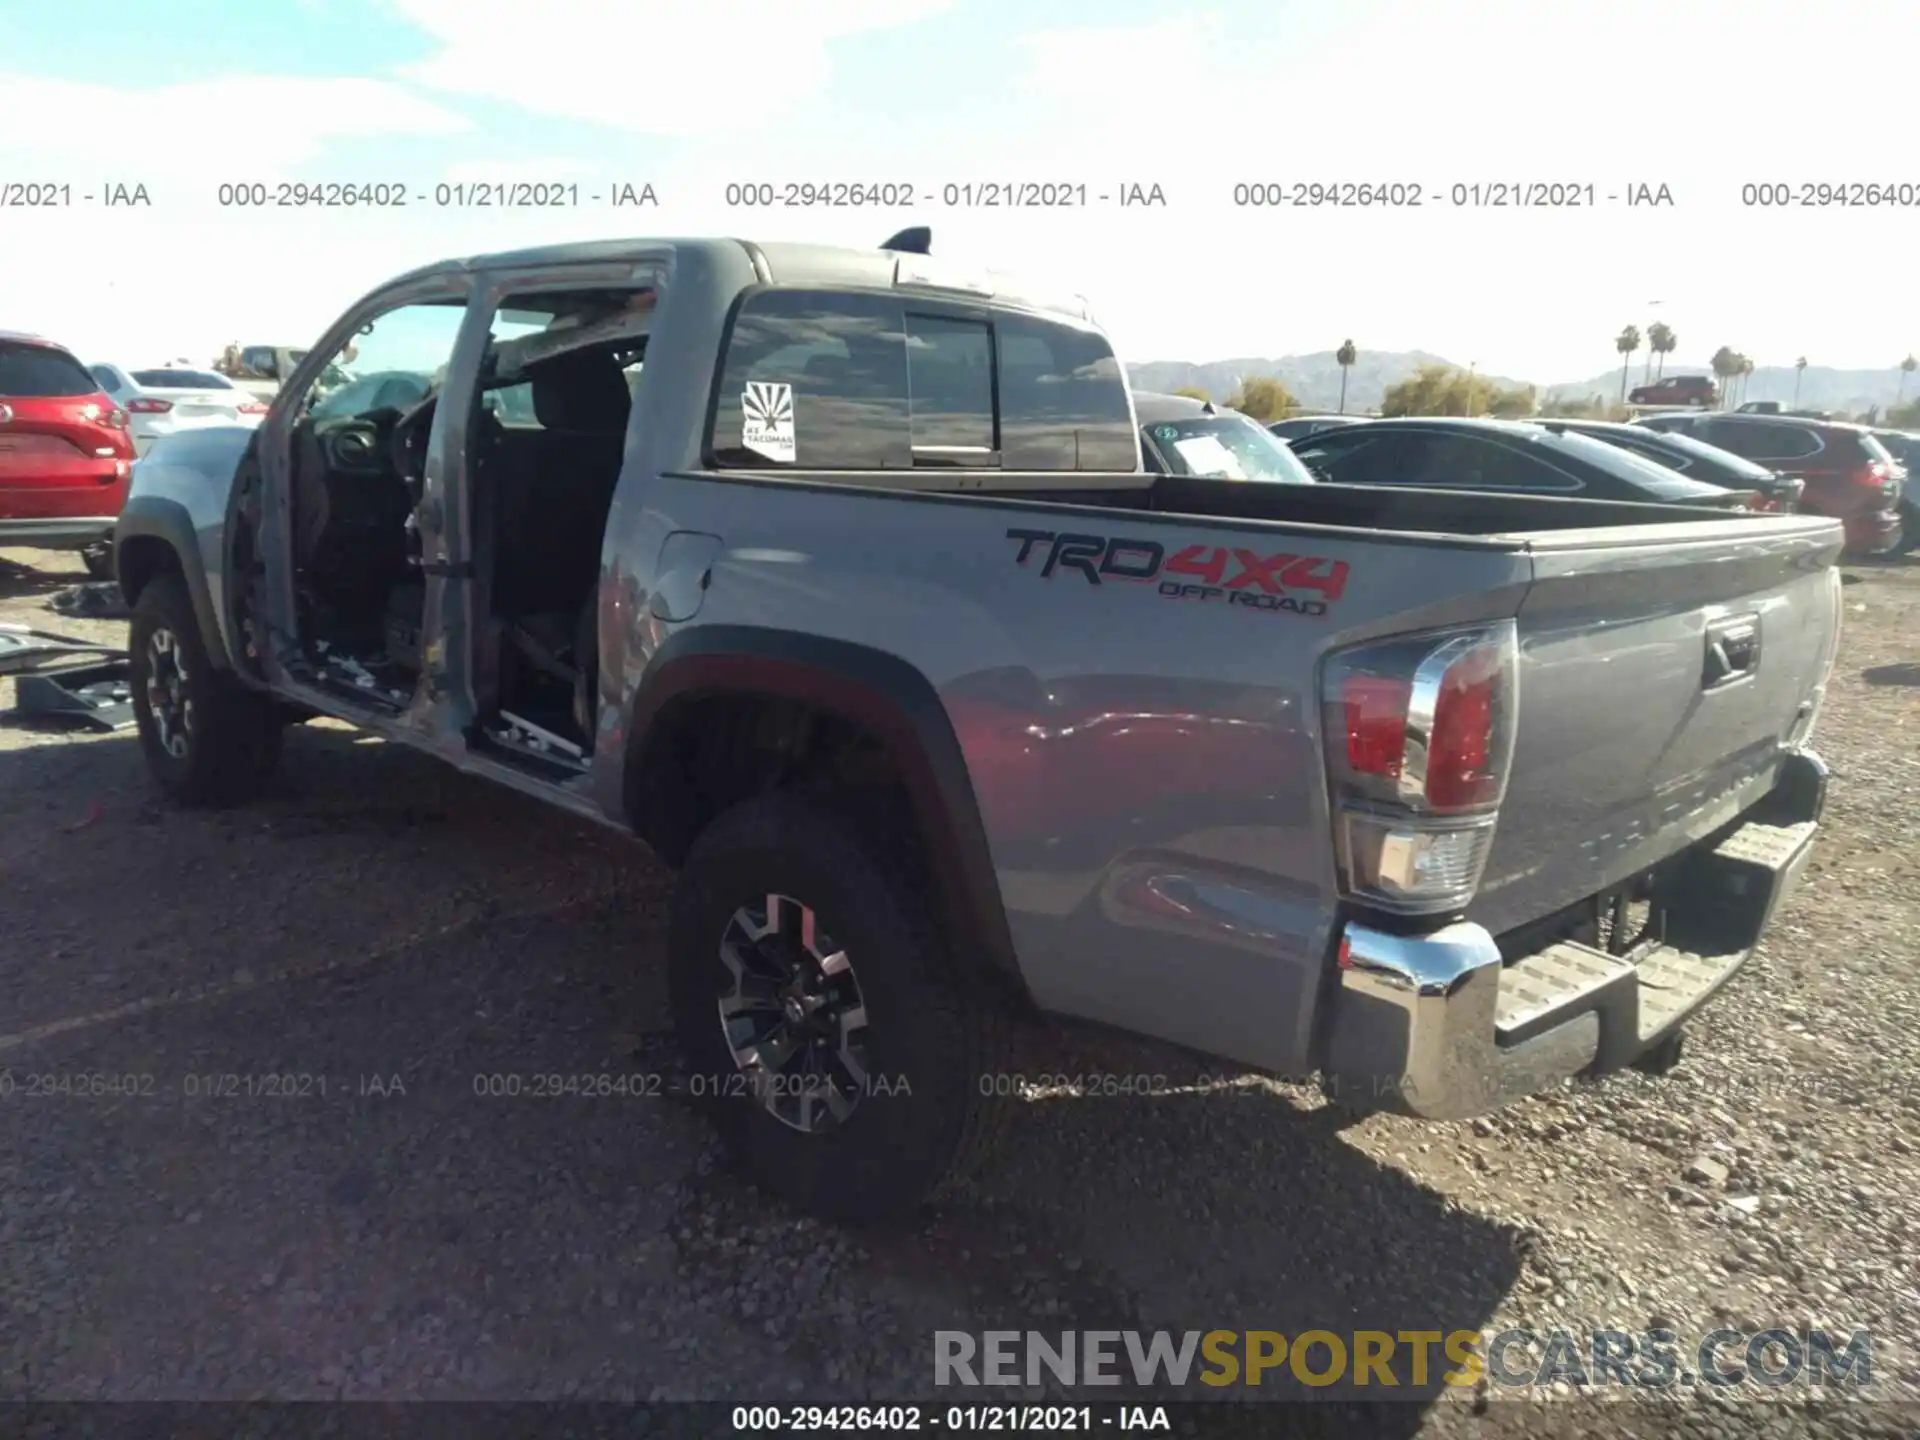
point(835, 577)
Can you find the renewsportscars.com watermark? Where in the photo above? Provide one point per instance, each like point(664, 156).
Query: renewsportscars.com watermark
point(1416, 1360)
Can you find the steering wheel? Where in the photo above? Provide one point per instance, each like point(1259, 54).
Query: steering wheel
point(408, 446)
point(355, 445)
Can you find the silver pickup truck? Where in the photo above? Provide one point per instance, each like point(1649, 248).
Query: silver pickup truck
point(835, 577)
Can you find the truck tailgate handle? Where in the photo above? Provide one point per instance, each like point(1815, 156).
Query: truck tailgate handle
point(1733, 650)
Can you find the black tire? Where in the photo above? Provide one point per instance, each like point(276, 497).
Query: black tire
point(929, 1114)
point(98, 558)
point(1909, 528)
point(223, 745)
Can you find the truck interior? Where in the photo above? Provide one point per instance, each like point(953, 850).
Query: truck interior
point(544, 446)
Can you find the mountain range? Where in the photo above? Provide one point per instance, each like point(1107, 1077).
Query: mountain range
point(1314, 380)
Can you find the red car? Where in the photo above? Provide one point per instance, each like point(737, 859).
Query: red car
point(1848, 474)
point(65, 452)
point(1677, 390)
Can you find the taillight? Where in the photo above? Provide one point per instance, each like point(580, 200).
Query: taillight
point(1876, 476)
point(149, 407)
point(115, 419)
point(1419, 740)
point(253, 407)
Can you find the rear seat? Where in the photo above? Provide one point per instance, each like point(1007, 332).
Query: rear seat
point(554, 487)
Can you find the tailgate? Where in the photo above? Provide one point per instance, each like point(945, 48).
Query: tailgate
point(1662, 674)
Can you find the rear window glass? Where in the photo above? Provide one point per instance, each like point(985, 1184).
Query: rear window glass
point(1635, 470)
point(180, 380)
point(1877, 451)
point(41, 372)
point(1063, 398)
point(950, 388)
point(1226, 447)
point(1763, 440)
point(1724, 462)
point(871, 381)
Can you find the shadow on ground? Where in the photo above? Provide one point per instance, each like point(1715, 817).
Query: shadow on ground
point(1904, 673)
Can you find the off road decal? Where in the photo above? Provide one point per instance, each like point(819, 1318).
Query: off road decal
point(766, 420)
point(1283, 583)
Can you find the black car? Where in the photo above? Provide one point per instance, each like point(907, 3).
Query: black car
point(1499, 455)
point(1182, 436)
point(1300, 425)
point(1695, 459)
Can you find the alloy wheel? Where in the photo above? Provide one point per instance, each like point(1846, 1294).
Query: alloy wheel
point(167, 698)
point(793, 1016)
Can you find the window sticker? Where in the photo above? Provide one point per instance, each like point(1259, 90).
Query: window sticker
point(766, 420)
point(1206, 456)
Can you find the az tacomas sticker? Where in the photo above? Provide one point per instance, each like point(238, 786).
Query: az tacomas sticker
point(766, 420)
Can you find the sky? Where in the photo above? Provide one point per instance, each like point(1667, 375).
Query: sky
point(1702, 99)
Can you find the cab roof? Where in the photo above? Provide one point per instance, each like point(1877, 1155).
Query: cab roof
point(784, 262)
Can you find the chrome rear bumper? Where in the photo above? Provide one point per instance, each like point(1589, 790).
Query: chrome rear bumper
point(1439, 1027)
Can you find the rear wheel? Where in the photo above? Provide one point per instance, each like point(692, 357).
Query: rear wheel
point(1909, 528)
point(208, 739)
point(845, 1057)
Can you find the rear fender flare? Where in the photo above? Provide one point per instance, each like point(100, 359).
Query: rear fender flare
point(882, 693)
point(148, 521)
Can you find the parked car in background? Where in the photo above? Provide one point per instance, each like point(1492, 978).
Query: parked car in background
point(1774, 407)
point(1676, 390)
point(1904, 446)
point(1695, 459)
point(65, 452)
point(261, 369)
point(1508, 455)
point(1849, 475)
point(170, 399)
point(1183, 436)
point(1294, 426)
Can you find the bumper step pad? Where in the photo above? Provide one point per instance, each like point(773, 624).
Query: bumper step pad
point(1553, 982)
point(1673, 982)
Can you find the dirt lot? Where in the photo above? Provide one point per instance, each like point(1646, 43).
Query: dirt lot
point(390, 931)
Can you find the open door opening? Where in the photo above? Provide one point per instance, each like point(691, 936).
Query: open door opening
point(358, 454)
point(554, 400)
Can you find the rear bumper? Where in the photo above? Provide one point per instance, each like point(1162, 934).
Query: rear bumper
point(66, 533)
point(1873, 533)
point(1437, 1026)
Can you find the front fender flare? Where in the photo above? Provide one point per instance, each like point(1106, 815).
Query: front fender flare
point(150, 521)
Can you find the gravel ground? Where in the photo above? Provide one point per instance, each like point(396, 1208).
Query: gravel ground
point(391, 930)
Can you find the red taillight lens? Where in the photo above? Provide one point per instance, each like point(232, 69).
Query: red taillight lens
point(1460, 752)
point(115, 419)
point(253, 408)
point(1419, 739)
point(149, 407)
point(1376, 716)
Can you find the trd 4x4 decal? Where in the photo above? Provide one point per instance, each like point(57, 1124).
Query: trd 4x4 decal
point(1283, 583)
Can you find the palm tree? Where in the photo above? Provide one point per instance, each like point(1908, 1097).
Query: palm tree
point(1907, 367)
point(1660, 343)
point(1725, 365)
point(1345, 356)
point(1799, 368)
point(1626, 342)
point(1746, 373)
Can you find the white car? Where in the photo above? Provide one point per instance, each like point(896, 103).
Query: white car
point(172, 398)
